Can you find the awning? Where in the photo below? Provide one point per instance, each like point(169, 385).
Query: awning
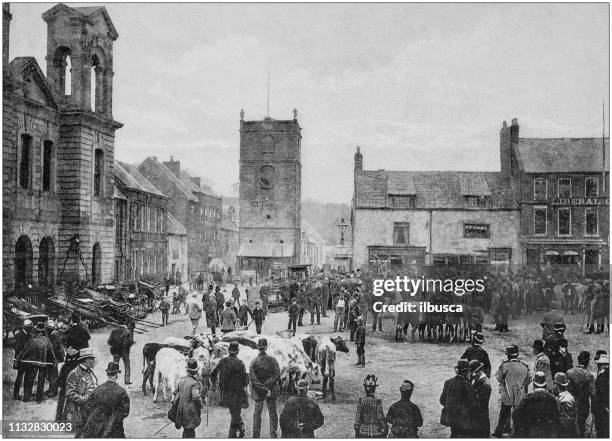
point(552, 253)
point(266, 250)
point(216, 263)
point(570, 253)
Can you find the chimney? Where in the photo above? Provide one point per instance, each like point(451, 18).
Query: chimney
point(196, 181)
point(154, 158)
point(358, 160)
point(505, 147)
point(514, 131)
point(174, 166)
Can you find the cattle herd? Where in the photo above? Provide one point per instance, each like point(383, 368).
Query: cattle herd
point(299, 357)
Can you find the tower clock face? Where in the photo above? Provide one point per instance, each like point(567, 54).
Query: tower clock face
point(267, 178)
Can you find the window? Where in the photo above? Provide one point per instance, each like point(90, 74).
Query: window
point(402, 201)
point(476, 231)
point(163, 216)
point(98, 172)
point(476, 201)
point(148, 218)
point(591, 257)
point(154, 217)
point(47, 168)
point(590, 222)
point(540, 187)
point(400, 233)
point(143, 215)
point(591, 187)
point(25, 164)
point(564, 189)
point(267, 144)
point(539, 220)
point(564, 218)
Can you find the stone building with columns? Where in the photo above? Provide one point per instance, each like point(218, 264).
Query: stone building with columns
point(58, 153)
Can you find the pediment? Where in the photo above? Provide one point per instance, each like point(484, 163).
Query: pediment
point(30, 82)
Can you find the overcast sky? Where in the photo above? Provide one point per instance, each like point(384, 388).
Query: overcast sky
point(417, 86)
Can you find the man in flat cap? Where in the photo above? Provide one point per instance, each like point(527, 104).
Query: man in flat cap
point(513, 377)
point(404, 416)
point(301, 415)
point(108, 406)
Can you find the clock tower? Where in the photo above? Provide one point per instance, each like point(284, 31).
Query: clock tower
point(270, 193)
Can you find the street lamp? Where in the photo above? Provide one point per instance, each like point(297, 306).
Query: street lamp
point(342, 226)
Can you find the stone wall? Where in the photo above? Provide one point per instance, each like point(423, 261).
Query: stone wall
point(375, 227)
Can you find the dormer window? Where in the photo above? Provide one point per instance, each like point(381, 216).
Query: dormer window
point(402, 201)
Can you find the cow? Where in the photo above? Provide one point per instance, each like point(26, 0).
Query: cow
point(327, 360)
point(171, 366)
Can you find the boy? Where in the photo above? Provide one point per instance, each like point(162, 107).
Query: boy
point(258, 316)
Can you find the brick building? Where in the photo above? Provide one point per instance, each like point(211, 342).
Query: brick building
point(563, 187)
point(58, 153)
point(140, 218)
point(198, 211)
point(270, 193)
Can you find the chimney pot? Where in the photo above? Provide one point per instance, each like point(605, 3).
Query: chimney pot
point(505, 124)
point(154, 158)
point(515, 122)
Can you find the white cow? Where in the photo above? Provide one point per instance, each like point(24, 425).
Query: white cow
point(176, 341)
point(171, 366)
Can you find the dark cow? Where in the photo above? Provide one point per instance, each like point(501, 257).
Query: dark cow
point(149, 351)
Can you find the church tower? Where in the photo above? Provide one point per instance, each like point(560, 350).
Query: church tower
point(80, 71)
point(270, 193)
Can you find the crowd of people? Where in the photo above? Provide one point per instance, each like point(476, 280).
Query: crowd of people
point(552, 398)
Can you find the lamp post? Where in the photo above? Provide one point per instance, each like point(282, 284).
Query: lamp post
point(342, 226)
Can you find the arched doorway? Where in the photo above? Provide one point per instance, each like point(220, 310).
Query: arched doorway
point(23, 262)
point(96, 265)
point(46, 263)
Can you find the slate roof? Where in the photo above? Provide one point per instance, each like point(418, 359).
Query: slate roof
point(186, 179)
point(131, 178)
point(175, 227)
point(561, 155)
point(434, 189)
point(178, 183)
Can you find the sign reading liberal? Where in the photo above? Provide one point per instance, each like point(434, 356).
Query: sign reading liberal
point(580, 201)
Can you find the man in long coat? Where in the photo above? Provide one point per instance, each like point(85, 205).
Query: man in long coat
point(120, 342)
point(481, 424)
point(582, 387)
point(37, 356)
point(264, 374)
point(538, 414)
point(233, 380)
point(301, 415)
point(108, 406)
point(189, 406)
point(80, 385)
point(601, 411)
point(459, 401)
point(22, 337)
point(513, 377)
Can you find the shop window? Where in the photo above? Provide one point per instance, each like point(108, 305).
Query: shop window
point(591, 187)
point(540, 186)
point(590, 222)
point(539, 220)
point(564, 222)
point(400, 233)
point(476, 231)
point(564, 189)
